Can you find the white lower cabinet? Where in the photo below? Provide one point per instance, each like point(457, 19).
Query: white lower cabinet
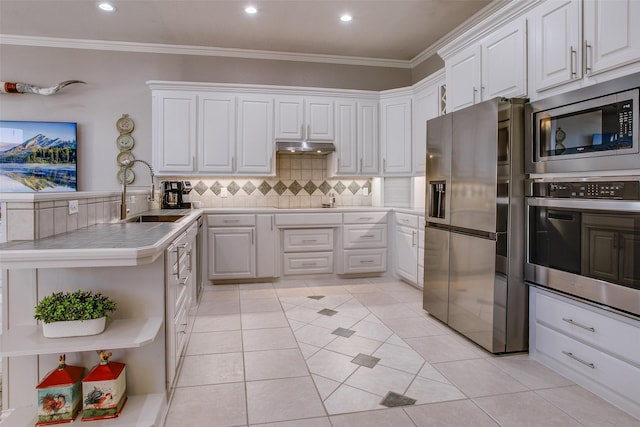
point(407, 247)
point(364, 243)
point(307, 250)
point(231, 246)
point(597, 349)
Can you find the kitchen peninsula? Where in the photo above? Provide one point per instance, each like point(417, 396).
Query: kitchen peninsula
point(133, 263)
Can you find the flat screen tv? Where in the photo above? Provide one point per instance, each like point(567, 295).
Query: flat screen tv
point(37, 157)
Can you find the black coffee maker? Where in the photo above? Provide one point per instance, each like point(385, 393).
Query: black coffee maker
point(175, 195)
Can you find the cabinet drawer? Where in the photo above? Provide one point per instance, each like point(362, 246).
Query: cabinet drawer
point(365, 260)
point(617, 336)
point(242, 220)
point(407, 220)
point(365, 236)
point(308, 219)
point(308, 239)
point(308, 263)
point(613, 373)
point(180, 330)
point(364, 217)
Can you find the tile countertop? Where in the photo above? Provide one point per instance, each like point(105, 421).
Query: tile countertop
point(129, 243)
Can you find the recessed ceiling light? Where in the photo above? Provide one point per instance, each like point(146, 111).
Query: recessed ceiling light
point(346, 17)
point(107, 7)
point(251, 10)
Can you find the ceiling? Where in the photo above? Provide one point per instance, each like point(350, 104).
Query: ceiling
point(394, 30)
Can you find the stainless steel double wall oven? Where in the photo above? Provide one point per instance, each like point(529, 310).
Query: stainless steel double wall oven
point(583, 198)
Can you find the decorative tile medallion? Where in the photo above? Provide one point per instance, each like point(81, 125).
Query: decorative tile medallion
point(394, 399)
point(200, 188)
point(249, 187)
point(342, 332)
point(295, 187)
point(310, 187)
point(339, 187)
point(233, 188)
point(327, 312)
point(354, 187)
point(365, 360)
point(325, 187)
point(280, 188)
point(216, 188)
point(264, 188)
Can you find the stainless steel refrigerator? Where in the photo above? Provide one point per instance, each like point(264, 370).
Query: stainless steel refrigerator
point(474, 234)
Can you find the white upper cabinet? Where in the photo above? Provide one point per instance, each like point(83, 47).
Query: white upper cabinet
point(611, 34)
point(556, 41)
point(255, 143)
point(463, 78)
point(368, 142)
point(494, 67)
point(216, 132)
point(303, 118)
point(573, 40)
point(426, 105)
point(395, 135)
point(174, 131)
point(504, 62)
point(356, 138)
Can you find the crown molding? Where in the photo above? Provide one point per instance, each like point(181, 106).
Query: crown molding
point(467, 25)
point(9, 39)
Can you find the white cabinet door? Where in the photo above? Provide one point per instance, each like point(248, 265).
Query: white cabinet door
point(266, 250)
point(232, 253)
point(216, 132)
point(425, 106)
point(319, 119)
point(463, 78)
point(367, 135)
point(504, 62)
point(304, 118)
point(346, 154)
point(557, 54)
point(611, 34)
point(289, 118)
point(174, 132)
point(396, 136)
point(407, 253)
point(255, 143)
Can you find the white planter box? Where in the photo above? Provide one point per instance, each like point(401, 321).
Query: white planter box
point(74, 328)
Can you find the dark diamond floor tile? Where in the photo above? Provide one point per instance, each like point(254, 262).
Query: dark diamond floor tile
point(327, 312)
point(316, 296)
point(365, 360)
point(394, 399)
point(342, 332)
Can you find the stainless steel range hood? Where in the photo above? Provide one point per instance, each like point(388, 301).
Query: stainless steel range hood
point(304, 147)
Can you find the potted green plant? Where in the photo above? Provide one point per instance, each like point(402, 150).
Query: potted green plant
point(71, 314)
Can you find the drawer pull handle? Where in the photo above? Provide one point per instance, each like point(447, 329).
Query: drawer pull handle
point(309, 240)
point(366, 261)
point(368, 236)
point(573, 322)
point(308, 264)
point(231, 220)
point(576, 358)
point(365, 218)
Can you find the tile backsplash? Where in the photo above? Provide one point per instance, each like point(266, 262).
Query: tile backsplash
point(300, 182)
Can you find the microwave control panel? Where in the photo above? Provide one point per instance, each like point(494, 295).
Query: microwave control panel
point(625, 119)
point(614, 190)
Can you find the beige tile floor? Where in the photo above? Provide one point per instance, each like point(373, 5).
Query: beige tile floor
point(262, 355)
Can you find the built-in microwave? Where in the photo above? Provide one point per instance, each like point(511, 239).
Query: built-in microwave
point(593, 129)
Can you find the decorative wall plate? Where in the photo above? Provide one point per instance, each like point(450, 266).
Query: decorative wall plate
point(130, 176)
point(125, 156)
point(125, 124)
point(125, 142)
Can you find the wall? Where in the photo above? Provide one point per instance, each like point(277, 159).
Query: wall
point(115, 84)
point(426, 68)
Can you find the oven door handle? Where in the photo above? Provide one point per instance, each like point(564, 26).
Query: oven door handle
point(586, 204)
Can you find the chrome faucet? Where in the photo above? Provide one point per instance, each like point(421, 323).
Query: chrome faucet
point(127, 164)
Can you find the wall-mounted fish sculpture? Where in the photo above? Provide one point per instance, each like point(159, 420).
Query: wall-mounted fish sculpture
point(17, 87)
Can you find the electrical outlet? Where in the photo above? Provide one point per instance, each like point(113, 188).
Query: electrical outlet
point(73, 207)
point(365, 191)
point(224, 192)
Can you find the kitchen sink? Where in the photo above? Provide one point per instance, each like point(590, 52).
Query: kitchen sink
point(156, 218)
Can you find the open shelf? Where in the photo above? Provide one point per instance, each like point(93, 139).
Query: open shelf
point(139, 411)
point(120, 333)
